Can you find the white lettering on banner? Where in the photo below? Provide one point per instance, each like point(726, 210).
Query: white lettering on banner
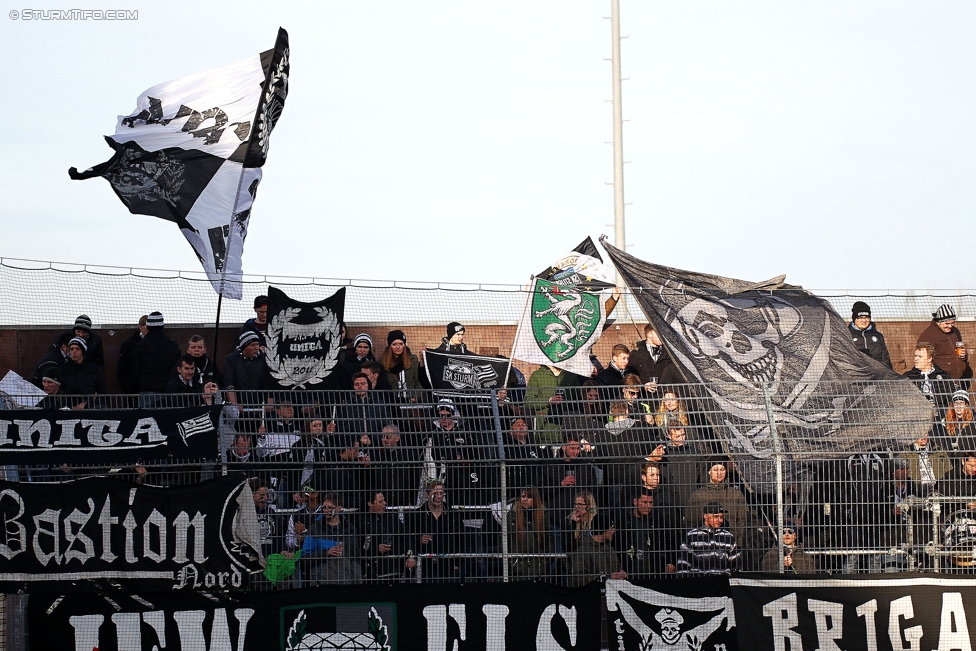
point(903, 608)
point(149, 428)
point(155, 521)
point(103, 433)
point(62, 539)
point(544, 639)
point(182, 524)
point(189, 623)
point(68, 435)
point(99, 433)
point(618, 627)
point(49, 517)
point(189, 575)
point(307, 347)
point(830, 623)
point(784, 618)
point(79, 518)
point(129, 524)
point(106, 519)
point(436, 617)
point(953, 631)
point(26, 430)
point(15, 531)
point(495, 614)
point(867, 611)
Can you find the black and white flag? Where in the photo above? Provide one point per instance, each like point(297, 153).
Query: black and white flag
point(303, 339)
point(667, 614)
point(746, 341)
point(464, 375)
point(191, 153)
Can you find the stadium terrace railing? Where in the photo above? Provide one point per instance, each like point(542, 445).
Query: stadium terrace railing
point(581, 483)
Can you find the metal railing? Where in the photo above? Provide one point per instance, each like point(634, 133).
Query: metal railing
point(585, 482)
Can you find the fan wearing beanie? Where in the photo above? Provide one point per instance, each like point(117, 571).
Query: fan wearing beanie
point(945, 337)
point(401, 366)
point(453, 343)
point(865, 336)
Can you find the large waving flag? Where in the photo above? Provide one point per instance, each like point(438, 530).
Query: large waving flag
point(191, 153)
point(565, 313)
point(749, 341)
point(559, 326)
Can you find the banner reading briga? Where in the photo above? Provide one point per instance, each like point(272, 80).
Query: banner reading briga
point(469, 617)
point(910, 612)
point(75, 536)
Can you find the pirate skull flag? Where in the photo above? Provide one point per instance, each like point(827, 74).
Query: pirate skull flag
point(559, 326)
point(191, 153)
point(303, 339)
point(745, 341)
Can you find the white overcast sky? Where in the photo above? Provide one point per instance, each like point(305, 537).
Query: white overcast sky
point(466, 141)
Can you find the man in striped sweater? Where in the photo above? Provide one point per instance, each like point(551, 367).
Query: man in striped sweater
point(709, 549)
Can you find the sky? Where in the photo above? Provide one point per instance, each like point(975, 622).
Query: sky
point(467, 142)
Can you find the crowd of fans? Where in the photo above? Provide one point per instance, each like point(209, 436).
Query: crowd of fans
point(619, 474)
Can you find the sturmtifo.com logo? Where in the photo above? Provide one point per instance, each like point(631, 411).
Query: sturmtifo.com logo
point(74, 14)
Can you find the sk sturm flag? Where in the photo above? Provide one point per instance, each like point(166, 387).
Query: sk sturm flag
point(582, 267)
point(191, 153)
point(559, 326)
point(749, 340)
point(464, 375)
point(303, 339)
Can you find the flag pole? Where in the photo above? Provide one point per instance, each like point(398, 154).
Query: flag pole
point(518, 328)
point(223, 271)
point(623, 298)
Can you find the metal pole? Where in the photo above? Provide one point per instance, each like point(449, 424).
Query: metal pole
point(778, 452)
point(496, 415)
point(619, 239)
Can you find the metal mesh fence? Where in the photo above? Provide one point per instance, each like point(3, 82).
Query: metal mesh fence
point(563, 485)
point(572, 485)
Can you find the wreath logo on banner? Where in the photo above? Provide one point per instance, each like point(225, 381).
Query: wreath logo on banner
point(284, 334)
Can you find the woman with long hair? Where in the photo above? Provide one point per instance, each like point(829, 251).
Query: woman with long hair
point(402, 367)
point(959, 425)
point(590, 552)
point(528, 533)
point(670, 410)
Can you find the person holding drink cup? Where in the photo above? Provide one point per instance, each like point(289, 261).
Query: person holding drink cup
point(950, 350)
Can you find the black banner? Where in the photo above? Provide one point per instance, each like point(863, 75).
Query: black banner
point(464, 375)
point(473, 617)
point(669, 614)
point(200, 536)
point(104, 437)
point(870, 613)
point(303, 339)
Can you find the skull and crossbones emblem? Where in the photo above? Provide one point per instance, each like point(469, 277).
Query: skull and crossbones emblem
point(738, 339)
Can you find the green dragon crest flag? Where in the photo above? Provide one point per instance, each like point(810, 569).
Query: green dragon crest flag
point(559, 326)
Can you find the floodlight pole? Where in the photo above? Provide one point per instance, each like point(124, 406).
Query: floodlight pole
point(619, 239)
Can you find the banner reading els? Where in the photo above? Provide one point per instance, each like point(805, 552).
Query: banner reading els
point(472, 617)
